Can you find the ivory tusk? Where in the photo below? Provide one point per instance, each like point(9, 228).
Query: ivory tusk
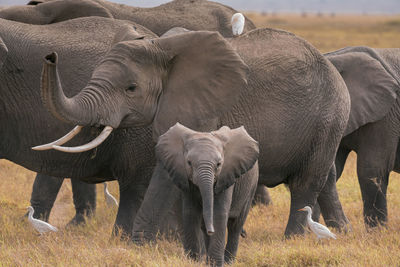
point(60, 141)
point(77, 149)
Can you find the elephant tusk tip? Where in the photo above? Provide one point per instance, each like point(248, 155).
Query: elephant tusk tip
point(42, 147)
point(210, 233)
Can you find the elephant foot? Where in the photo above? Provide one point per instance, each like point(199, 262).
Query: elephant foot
point(375, 220)
point(143, 237)
point(341, 225)
point(79, 219)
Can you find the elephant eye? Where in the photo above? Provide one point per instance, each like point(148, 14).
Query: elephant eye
point(218, 164)
point(189, 163)
point(132, 87)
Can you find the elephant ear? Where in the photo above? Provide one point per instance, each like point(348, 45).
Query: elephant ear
point(372, 88)
point(240, 154)
point(170, 153)
point(3, 52)
point(205, 77)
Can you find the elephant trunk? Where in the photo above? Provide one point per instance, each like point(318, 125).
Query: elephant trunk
point(205, 183)
point(77, 110)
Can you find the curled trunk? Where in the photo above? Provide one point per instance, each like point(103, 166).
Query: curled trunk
point(77, 110)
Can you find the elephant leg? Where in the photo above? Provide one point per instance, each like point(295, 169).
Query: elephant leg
point(130, 198)
point(316, 212)
point(375, 159)
point(330, 205)
point(159, 199)
point(44, 193)
point(301, 196)
point(261, 196)
point(373, 191)
point(235, 226)
point(341, 157)
point(84, 196)
point(172, 227)
point(192, 219)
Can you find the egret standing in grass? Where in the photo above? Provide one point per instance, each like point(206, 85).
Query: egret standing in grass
point(320, 230)
point(40, 226)
point(110, 199)
point(237, 24)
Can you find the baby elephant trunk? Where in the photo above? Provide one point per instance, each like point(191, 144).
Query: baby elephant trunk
point(205, 184)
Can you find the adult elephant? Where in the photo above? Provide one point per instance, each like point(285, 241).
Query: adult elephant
point(128, 154)
point(372, 77)
point(191, 14)
point(195, 15)
point(294, 102)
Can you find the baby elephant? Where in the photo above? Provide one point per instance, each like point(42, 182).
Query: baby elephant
point(218, 174)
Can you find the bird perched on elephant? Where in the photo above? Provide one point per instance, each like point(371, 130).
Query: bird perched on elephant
point(127, 156)
point(217, 174)
point(196, 15)
point(191, 14)
point(294, 100)
point(372, 77)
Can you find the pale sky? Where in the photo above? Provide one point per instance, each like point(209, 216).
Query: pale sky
point(325, 6)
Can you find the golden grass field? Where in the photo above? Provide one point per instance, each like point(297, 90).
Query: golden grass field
point(92, 245)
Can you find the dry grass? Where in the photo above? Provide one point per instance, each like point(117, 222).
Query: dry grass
point(329, 33)
point(92, 246)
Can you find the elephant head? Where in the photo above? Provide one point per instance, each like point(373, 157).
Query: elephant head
point(52, 11)
point(372, 83)
point(189, 78)
point(211, 161)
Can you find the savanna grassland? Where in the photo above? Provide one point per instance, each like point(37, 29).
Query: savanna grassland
point(92, 245)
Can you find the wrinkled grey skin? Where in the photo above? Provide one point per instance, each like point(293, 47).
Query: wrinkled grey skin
point(196, 15)
point(372, 77)
point(294, 101)
point(127, 156)
point(217, 174)
point(191, 14)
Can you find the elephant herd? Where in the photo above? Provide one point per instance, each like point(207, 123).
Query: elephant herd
point(125, 76)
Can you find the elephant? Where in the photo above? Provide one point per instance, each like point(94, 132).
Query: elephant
point(372, 77)
point(293, 100)
point(128, 155)
point(191, 14)
point(217, 173)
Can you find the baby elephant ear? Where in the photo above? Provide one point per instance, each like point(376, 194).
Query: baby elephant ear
point(170, 153)
point(3, 52)
point(240, 154)
point(205, 78)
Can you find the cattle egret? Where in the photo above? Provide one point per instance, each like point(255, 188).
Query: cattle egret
point(40, 226)
point(237, 24)
point(320, 230)
point(110, 199)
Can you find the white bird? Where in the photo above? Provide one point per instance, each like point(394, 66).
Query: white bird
point(320, 230)
point(40, 226)
point(110, 199)
point(237, 24)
